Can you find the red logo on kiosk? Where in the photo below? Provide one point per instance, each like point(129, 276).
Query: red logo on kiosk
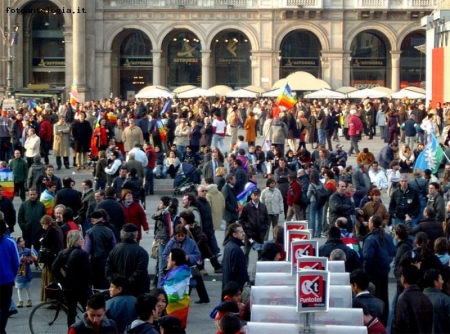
point(312, 265)
point(312, 291)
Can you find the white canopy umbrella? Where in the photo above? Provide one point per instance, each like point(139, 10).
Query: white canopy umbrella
point(324, 94)
point(221, 90)
point(407, 93)
point(153, 93)
point(416, 89)
point(256, 89)
point(196, 92)
point(274, 93)
point(383, 89)
point(241, 93)
point(346, 89)
point(183, 88)
point(364, 93)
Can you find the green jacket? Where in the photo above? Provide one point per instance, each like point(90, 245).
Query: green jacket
point(29, 219)
point(20, 169)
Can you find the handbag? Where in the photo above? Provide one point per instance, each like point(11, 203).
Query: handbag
point(155, 247)
point(46, 256)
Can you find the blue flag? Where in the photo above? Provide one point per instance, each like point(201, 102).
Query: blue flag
point(431, 156)
point(166, 107)
point(33, 103)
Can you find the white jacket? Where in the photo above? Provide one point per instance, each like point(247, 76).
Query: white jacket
point(272, 200)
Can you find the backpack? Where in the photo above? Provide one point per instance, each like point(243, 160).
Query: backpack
point(322, 195)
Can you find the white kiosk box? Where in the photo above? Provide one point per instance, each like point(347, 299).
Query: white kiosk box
point(312, 263)
point(336, 266)
point(337, 317)
point(340, 296)
point(295, 235)
point(313, 289)
point(275, 314)
point(273, 295)
point(300, 248)
point(274, 328)
point(265, 279)
point(273, 267)
point(340, 279)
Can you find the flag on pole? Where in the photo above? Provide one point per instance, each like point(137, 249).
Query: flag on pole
point(73, 95)
point(286, 98)
point(166, 107)
point(431, 156)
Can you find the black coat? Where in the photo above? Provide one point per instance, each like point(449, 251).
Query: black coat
point(353, 261)
point(115, 214)
point(131, 260)
point(75, 262)
point(255, 221)
point(54, 240)
point(432, 228)
point(205, 213)
point(234, 264)
point(70, 198)
point(374, 304)
point(82, 133)
point(231, 212)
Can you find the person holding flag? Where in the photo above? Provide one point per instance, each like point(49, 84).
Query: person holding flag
point(431, 157)
point(286, 98)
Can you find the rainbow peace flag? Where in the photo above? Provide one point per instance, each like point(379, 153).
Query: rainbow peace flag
point(33, 104)
point(161, 130)
point(73, 95)
point(112, 117)
point(7, 183)
point(286, 98)
point(242, 197)
point(48, 199)
point(176, 285)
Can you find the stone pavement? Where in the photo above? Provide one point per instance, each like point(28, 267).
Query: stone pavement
point(198, 321)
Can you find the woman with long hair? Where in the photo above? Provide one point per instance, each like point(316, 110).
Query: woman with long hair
point(406, 156)
point(427, 256)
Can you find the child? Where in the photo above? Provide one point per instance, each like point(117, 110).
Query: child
point(24, 275)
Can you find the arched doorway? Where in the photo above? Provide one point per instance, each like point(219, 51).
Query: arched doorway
point(300, 51)
point(133, 67)
point(44, 47)
point(369, 65)
point(413, 61)
point(184, 60)
point(231, 52)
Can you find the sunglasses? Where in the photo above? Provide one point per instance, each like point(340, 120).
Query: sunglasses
point(204, 191)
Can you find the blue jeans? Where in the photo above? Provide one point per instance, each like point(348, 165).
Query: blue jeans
point(149, 180)
point(213, 241)
point(217, 141)
point(392, 312)
point(161, 263)
point(315, 219)
point(180, 150)
point(321, 134)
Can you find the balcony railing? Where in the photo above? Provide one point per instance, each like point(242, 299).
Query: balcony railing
point(272, 4)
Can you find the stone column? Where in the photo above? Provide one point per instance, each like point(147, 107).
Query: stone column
point(206, 69)
point(395, 77)
point(157, 67)
point(27, 54)
point(346, 68)
point(79, 49)
point(68, 45)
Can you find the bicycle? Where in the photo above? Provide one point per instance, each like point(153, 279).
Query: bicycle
point(45, 317)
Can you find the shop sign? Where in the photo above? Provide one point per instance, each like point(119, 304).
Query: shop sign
point(299, 62)
point(302, 248)
point(313, 289)
point(368, 62)
point(136, 62)
point(49, 62)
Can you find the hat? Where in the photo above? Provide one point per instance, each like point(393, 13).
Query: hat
point(37, 158)
point(137, 144)
point(352, 111)
point(129, 228)
point(170, 324)
point(256, 191)
point(96, 214)
point(339, 146)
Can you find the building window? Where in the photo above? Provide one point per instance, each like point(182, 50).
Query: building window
point(412, 61)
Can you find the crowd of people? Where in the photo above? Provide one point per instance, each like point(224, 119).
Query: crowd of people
point(92, 237)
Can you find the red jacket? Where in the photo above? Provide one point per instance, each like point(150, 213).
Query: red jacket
point(45, 130)
point(151, 156)
point(355, 126)
point(135, 214)
point(294, 193)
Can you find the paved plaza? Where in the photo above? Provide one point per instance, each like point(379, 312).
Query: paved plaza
point(198, 320)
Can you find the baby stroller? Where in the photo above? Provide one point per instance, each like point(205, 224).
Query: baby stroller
point(186, 179)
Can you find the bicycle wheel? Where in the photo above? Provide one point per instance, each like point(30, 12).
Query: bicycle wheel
point(48, 320)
